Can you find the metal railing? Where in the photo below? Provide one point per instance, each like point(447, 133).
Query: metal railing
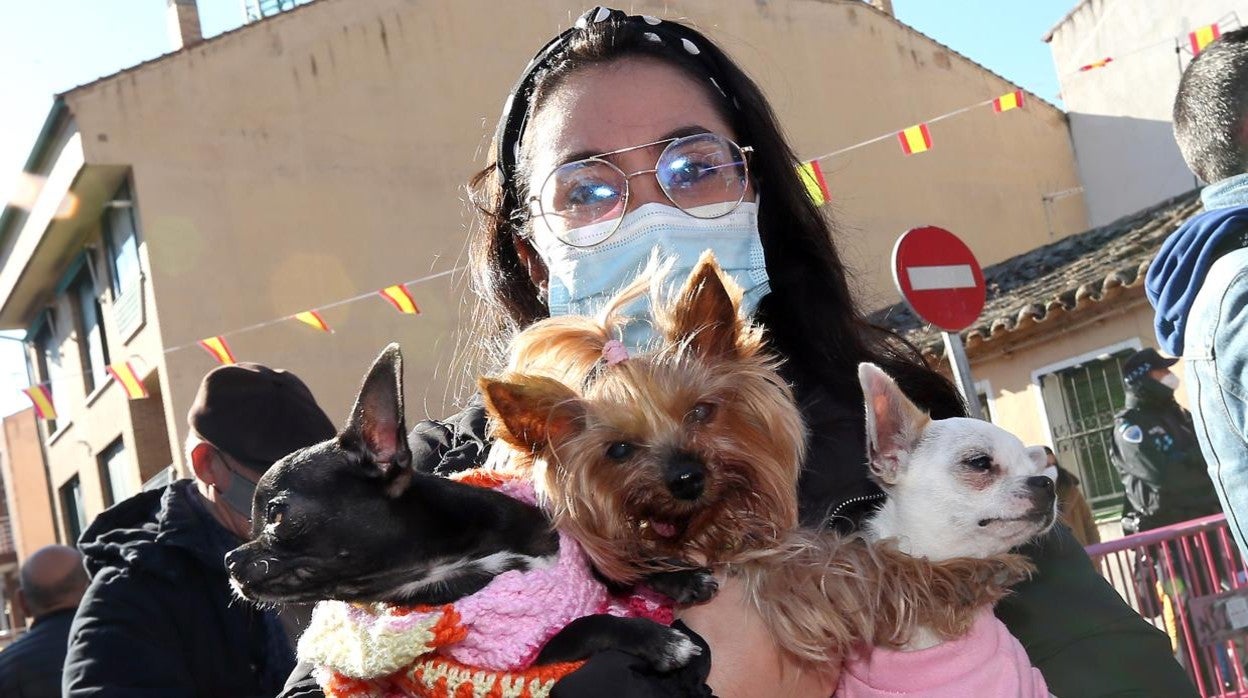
point(254, 10)
point(1189, 581)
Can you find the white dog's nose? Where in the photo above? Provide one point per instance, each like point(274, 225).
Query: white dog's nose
point(1051, 473)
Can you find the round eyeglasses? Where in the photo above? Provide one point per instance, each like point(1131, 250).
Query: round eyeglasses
point(581, 203)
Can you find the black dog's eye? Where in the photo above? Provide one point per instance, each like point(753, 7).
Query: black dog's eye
point(981, 463)
point(275, 513)
point(620, 450)
point(701, 413)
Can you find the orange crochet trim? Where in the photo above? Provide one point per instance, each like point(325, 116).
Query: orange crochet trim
point(448, 630)
point(480, 477)
point(440, 677)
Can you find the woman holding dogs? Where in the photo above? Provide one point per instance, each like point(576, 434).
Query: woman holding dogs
point(625, 133)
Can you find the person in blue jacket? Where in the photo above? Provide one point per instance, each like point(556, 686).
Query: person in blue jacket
point(1198, 283)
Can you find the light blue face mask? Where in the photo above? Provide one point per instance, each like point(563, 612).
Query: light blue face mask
point(583, 279)
point(239, 493)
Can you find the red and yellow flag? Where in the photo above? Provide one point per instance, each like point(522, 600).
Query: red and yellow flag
point(219, 350)
point(1096, 64)
point(313, 319)
point(41, 396)
point(401, 299)
point(125, 376)
point(812, 176)
point(915, 139)
point(1008, 101)
point(1203, 36)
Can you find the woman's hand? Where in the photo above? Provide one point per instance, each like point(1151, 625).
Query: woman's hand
point(745, 660)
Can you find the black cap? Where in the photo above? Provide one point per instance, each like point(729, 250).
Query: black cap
point(256, 414)
point(1137, 366)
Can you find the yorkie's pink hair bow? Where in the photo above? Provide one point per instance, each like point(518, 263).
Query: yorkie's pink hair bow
point(614, 352)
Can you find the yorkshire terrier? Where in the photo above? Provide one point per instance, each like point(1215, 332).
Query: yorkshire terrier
point(688, 456)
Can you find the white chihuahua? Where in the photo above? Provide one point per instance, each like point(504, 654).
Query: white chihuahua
point(957, 488)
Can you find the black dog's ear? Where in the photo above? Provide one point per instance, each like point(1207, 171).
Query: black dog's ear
point(376, 429)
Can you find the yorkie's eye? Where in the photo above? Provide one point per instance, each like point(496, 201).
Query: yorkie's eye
point(620, 450)
point(981, 463)
point(701, 413)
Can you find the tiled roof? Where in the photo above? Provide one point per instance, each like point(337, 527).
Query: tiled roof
point(1059, 277)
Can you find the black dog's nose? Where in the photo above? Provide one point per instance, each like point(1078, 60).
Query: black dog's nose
point(1040, 482)
point(685, 476)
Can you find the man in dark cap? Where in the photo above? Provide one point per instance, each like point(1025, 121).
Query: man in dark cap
point(1156, 451)
point(160, 618)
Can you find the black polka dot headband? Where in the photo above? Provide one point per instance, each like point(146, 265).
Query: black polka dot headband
point(515, 115)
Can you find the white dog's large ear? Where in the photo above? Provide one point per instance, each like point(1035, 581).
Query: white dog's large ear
point(894, 424)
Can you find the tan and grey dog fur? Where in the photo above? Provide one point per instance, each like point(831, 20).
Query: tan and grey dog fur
point(612, 445)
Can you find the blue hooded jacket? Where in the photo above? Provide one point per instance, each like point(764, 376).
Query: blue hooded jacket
point(1177, 273)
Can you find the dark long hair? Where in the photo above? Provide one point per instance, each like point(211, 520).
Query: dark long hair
point(810, 313)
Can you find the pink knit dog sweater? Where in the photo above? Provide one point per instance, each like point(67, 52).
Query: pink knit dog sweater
point(987, 661)
point(499, 629)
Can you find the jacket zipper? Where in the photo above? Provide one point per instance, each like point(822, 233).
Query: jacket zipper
point(854, 500)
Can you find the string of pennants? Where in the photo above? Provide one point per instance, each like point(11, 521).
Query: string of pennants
point(1196, 41)
point(398, 296)
point(918, 138)
point(912, 140)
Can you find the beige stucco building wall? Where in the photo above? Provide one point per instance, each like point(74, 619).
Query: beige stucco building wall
point(1015, 394)
point(1120, 115)
point(321, 154)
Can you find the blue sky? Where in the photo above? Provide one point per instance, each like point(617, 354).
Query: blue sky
point(49, 46)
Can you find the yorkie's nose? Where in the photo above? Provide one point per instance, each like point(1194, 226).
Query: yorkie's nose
point(685, 475)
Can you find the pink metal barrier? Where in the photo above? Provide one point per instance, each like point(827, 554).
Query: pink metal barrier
point(1189, 581)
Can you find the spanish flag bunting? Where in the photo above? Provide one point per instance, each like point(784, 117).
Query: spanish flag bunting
point(41, 396)
point(401, 299)
point(812, 176)
point(1096, 64)
point(1203, 36)
point(313, 319)
point(219, 350)
point(1008, 101)
point(915, 139)
point(125, 376)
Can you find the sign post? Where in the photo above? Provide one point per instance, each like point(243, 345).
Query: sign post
point(942, 281)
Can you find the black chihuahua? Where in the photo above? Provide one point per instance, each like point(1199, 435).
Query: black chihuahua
point(350, 519)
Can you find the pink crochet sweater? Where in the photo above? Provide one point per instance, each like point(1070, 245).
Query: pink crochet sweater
point(500, 628)
point(512, 618)
point(987, 661)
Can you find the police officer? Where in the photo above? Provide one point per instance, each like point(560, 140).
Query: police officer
point(1156, 451)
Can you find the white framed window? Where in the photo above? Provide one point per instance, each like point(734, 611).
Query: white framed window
point(1079, 398)
point(114, 472)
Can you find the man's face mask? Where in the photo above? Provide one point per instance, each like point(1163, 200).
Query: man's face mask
point(1170, 380)
point(239, 492)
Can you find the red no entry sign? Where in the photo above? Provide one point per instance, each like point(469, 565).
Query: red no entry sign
point(939, 277)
